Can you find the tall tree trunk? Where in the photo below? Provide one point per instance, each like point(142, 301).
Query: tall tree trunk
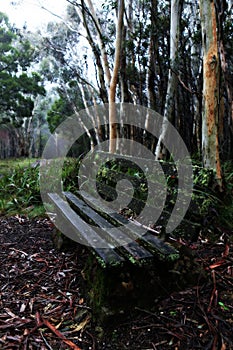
point(226, 83)
point(101, 43)
point(196, 74)
point(211, 87)
point(114, 79)
point(125, 95)
point(96, 52)
point(176, 6)
point(151, 74)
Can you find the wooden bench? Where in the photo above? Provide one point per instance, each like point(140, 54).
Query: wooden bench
point(86, 214)
point(117, 276)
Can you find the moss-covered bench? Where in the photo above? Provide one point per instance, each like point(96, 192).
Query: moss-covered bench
point(116, 274)
point(119, 276)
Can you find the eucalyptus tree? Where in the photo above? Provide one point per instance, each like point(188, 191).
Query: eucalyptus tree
point(211, 88)
point(19, 84)
point(225, 37)
point(176, 8)
point(117, 34)
point(63, 63)
point(160, 62)
point(114, 78)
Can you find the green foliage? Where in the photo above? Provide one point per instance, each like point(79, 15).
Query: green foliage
point(227, 169)
point(226, 207)
point(70, 174)
point(203, 177)
point(204, 195)
point(63, 107)
point(205, 199)
point(19, 185)
point(18, 87)
point(57, 114)
point(114, 171)
point(20, 192)
point(19, 189)
point(63, 62)
point(60, 110)
point(7, 165)
point(223, 306)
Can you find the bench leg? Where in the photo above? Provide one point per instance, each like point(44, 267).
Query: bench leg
point(114, 293)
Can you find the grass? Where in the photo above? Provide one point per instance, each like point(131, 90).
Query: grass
point(20, 187)
point(7, 165)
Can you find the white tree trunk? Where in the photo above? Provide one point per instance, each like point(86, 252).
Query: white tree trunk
point(172, 78)
point(113, 83)
point(104, 55)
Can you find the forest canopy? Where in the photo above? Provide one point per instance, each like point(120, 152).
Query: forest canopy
point(173, 57)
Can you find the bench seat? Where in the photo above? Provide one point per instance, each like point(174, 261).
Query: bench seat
point(113, 247)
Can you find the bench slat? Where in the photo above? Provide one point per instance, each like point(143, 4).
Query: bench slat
point(151, 242)
point(131, 249)
point(87, 234)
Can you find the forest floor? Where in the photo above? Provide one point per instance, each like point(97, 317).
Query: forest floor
point(43, 303)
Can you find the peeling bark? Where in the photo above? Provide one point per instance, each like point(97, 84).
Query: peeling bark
point(211, 87)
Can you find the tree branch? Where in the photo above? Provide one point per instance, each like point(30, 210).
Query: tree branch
point(185, 86)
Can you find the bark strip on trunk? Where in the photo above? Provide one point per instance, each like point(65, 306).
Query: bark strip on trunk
point(211, 87)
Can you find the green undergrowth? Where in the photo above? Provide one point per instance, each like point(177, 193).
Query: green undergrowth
point(7, 165)
point(20, 190)
point(226, 206)
point(20, 187)
point(208, 208)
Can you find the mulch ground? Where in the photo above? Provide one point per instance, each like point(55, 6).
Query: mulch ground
point(43, 303)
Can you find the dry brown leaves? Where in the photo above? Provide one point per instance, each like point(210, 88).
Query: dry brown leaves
point(40, 302)
point(43, 302)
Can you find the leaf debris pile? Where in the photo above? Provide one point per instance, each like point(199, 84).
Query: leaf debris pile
point(43, 303)
point(41, 306)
